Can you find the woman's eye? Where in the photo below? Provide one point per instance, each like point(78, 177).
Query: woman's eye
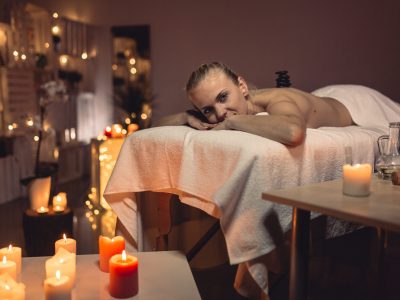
point(222, 97)
point(206, 110)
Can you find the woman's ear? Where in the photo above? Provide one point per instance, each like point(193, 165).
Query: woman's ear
point(243, 86)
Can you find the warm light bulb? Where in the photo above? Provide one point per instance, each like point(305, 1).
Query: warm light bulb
point(143, 116)
point(46, 45)
point(36, 138)
point(23, 57)
point(133, 71)
point(132, 61)
point(55, 30)
point(84, 55)
point(15, 53)
point(55, 15)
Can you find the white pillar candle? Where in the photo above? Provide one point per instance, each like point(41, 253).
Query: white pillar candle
point(9, 289)
point(66, 243)
point(58, 287)
point(60, 200)
point(63, 261)
point(14, 254)
point(357, 180)
point(8, 266)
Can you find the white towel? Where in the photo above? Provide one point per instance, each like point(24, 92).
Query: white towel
point(367, 107)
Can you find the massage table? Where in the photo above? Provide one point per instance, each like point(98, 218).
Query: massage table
point(223, 173)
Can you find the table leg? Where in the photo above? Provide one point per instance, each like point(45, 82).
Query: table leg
point(299, 254)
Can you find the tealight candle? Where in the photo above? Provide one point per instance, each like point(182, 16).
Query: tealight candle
point(109, 247)
point(357, 179)
point(58, 287)
point(42, 210)
point(66, 243)
point(60, 200)
point(9, 289)
point(14, 254)
point(58, 209)
point(8, 266)
point(124, 277)
point(63, 261)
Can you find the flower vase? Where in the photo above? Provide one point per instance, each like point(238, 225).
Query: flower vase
point(39, 192)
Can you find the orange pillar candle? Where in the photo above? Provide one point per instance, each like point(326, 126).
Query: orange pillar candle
point(109, 247)
point(124, 277)
point(66, 243)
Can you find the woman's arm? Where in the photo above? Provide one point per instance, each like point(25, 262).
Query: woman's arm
point(190, 117)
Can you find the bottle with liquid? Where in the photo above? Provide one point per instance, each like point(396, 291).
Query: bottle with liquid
point(389, 147)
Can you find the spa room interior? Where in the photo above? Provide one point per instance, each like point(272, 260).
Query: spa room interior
point(96, 202)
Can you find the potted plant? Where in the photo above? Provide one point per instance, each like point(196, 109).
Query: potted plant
point(39, 184)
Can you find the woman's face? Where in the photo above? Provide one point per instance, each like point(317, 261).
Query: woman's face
point(217, 97)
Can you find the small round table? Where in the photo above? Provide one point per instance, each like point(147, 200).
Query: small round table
point(42, 230)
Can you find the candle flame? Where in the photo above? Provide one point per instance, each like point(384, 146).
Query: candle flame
point(10, 248)
point(58, 198)
point(61, 260)
point(4, 259)
point(123, 255)
point(65, 238)
point(42, 208)
point(58, 274)
point(7, 287)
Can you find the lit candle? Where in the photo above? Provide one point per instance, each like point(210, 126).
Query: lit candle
point(58, 287)
point(8, 266)
point(63, 261)
point(42, 210)
point(60, 199)
point(109, 247)
point(9, 289)
point(66, 243)
point(357, 179)
point(14, 254)
point(133, 127)
point(124, 277)
point(58, 209)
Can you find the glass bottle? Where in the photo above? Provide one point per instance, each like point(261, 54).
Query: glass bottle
point(389, 146)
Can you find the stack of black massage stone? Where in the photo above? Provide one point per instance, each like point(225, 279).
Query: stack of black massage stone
point(283, 79)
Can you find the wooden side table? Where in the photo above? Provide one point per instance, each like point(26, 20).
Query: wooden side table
point(380, 209)
point(42, 230)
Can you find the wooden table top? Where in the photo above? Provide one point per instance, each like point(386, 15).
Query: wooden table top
point(381, 208)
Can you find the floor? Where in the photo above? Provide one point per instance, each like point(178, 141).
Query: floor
point(339, 269)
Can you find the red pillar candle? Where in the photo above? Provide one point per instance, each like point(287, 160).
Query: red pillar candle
point(109, 247)
point(124, 277)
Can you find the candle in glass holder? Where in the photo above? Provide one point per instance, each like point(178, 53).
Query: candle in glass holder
point(9, 267)
point(63, 261)
point(58, 209)
point(58, 287)
point(357, 180)
point(42, 210)
point(14, 254)
point(66, 243)
point(124, 276)
point(109, 247)
point(60, 200)
point(10, 289)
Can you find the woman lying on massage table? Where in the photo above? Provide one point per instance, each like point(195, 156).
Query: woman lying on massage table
point(222, 100)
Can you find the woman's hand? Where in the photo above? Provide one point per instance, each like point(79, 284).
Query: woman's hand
point(197, 121)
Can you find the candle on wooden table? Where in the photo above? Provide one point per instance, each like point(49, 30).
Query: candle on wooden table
point(10, 289)
point(357, 179)
point(58, 287)
point(58, 209)
point(60, 199)
point(124, 276)
point(109, 247)
point(42, 210)
point(63, 261)
point(66, 243)
point(8, 266)
point(14, 254)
